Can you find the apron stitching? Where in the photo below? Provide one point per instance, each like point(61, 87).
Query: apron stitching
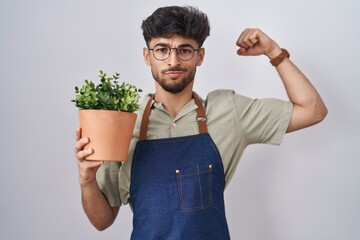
point(201, 198)
point(178, 177)
point(175, 139)
point(218, 158)
point(210, 185)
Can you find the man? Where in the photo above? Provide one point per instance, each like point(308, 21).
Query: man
point(185, 150)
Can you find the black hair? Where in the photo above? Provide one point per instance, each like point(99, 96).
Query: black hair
point(186, 21)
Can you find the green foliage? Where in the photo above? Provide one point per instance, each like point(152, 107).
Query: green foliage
point(107, 95)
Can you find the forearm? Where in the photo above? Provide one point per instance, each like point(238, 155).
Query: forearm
point(309, 108)
point(96, 207)
point(298, 87)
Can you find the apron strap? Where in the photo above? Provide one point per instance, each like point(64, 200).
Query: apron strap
point(145, 119)
point(201, 117)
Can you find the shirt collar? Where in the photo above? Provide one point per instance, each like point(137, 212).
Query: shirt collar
point(188, 108)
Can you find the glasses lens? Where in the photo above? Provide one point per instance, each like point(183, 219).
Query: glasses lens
point(185, 53)
point(161, 53)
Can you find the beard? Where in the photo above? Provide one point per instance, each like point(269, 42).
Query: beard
point(175, 86)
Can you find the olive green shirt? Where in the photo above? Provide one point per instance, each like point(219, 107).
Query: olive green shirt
point(233, 122)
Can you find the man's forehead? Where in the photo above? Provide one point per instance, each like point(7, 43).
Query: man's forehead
point(173, 41)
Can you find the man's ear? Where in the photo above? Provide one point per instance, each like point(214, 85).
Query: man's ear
point(201, 55)
point(146, 54)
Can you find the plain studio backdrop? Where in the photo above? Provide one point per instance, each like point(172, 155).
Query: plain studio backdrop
point(308, 188)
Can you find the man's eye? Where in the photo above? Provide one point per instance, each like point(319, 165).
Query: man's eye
point(161, 50)
point(184, 50)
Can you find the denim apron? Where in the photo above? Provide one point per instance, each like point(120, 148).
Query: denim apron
point(177, 186)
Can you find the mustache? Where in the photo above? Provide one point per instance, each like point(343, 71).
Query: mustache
point(174, 69)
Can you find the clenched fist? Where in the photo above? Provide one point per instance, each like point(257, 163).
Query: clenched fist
point(254, 42)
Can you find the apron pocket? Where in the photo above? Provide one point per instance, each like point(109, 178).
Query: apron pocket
point(195, 187)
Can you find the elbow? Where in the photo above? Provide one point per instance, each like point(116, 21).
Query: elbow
point(320, 113)
point(324, 113)
point(101, 227)
point(104, 222)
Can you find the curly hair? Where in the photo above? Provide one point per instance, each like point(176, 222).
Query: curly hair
point(186, 21)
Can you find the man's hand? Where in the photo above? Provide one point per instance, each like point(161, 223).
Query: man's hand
point(87, 169)
point(254, 42)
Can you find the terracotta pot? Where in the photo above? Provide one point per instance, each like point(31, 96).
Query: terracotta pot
point(110, 133)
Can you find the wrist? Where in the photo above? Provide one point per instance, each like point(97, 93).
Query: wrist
point(274, 53)
point(87, 183)
point(275, 61)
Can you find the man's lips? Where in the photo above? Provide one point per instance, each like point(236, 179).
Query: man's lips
point(174, 74)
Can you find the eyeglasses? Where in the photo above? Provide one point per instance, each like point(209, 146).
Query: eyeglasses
point(162, 53)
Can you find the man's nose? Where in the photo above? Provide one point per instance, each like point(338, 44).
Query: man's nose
point(173, 58)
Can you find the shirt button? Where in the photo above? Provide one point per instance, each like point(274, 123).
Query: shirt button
point(173, 124)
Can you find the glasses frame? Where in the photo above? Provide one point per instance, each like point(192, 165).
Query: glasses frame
point(176, 50)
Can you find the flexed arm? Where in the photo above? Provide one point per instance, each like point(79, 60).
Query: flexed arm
point(309, 108)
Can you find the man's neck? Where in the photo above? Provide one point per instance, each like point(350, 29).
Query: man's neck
point(173, 103)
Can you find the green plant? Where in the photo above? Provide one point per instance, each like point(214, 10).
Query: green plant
point(107, 95)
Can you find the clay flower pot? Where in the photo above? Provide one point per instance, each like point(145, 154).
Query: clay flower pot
point(110, 133)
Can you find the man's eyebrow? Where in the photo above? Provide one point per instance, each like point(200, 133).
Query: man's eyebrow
point(168, 45)
point(162, 45)
point(185, 45)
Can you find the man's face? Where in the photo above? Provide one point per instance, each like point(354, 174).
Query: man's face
point(173, 74)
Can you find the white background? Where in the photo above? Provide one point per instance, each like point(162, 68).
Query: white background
point(308, 188)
